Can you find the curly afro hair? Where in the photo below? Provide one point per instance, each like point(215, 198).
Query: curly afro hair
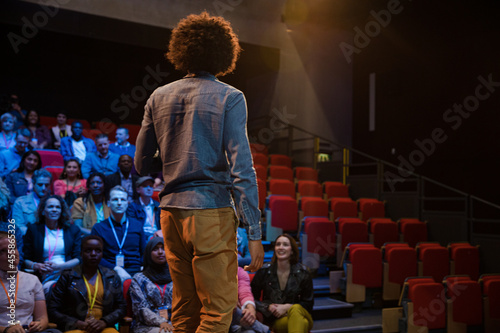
point(204, 43)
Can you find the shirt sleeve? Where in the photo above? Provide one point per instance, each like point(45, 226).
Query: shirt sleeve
point(242, 172)
point(146, 143)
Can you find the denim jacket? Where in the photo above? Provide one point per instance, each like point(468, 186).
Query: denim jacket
point(198, 124)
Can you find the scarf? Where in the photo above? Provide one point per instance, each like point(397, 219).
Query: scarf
point(158, 274)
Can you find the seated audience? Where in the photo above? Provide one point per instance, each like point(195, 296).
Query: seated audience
point(102, 160)
point(122, 146)
point(10, 158)
point(8, 135)
point(24, 210)
point(244, 258)
point(61, 130)
point(145, 209)
point(29, 309)
point(17, 111)
point(91, 208)
point(40, 134)
point(89, 297)
point(76, 146)
point(244, 315)
point(151, 291)
point(4, 201)
point(286, 288)
point(124, 238)
point(52, 244)
point(20, 182)
point(71, 184)
point(124, 177)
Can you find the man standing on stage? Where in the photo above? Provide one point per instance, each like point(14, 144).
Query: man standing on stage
point(198, 124)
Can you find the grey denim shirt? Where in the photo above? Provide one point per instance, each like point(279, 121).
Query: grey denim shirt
point(198, 124)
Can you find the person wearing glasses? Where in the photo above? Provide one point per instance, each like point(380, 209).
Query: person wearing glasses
point(10, 158)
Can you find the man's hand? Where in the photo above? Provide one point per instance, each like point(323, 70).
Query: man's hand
point(166, 327)
point(249, 316)
point(95, 326)
point(35, 326)
point(257, 254)
point(81, 325)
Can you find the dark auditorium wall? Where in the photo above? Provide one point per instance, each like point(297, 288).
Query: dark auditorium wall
point(429, 57)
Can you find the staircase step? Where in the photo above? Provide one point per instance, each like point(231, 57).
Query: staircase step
point(329, 308)
point(321, 286)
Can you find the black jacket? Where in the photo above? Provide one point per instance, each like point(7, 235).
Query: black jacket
point(298, 290)
point(68, 300)
point(115, 179)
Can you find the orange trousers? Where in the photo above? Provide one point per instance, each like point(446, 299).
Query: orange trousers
point(200, 246)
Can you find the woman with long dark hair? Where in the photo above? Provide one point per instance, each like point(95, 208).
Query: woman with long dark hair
point(286, 287)
point(52, 244)
point(40, 134)
point(20, 182)
point(71, 180)
point(151, 291)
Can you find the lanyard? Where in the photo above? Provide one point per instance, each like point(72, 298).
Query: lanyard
point(162, 293)
point(120, 245)
point(92, 299)
point(36, 203)
point(7, 144)
point(48, 241)
point(100, 212)
point(7, 293)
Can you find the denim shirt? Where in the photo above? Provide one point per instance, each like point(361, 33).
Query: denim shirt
point(198, 124)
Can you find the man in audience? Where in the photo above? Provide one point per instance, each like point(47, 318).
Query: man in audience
point(61, 130)
point(124, 177)
point(10, 158)
point(102, 160)
point(76, 145)
point(146, 209)
point(8, 135)
point(96, 311)
point(24, 210)
point(122, 146)
point(17, 111)
point(124, 238)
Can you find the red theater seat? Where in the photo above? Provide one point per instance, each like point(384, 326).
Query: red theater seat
point(260, 159)
point(278, 159)
point(400, 262)
point(349, 230)
point(342, 207)
point(281, 216)
point(412, 231)
point(282, 187)
point(464, 303)
point(306, 173)
point(318, 240)
point(258, 148)
point(50, 157)
point(260, 171)
point(433, 261)
point(280, 172)
point(335, 189)
point(464, 259)
point(369, 208)
point(309, 188)
point(382, 230)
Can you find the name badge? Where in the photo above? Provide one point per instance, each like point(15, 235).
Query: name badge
point(164, 311)
point(120, 260)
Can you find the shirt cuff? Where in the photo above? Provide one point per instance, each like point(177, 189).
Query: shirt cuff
point(254, 231)
point(246, 303)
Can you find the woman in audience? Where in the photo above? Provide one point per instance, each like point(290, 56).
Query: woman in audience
point(8, 135)
point(151, 291)
point(52, 244)
point(287, 289)
point(61, 130)
point(71, 184)
point(91, 208)
point(20, 182)
point(40, 134)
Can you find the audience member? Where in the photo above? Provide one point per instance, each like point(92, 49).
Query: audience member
point(102, 160)
point(124, 238)
point(286, 288)
point(151, 291)
point(145, 209)
point(89, 297)
point(4, 201)
point(61, 130)
point(21, 182)
point(10, 158)
point(24, 211)
point(26, 306)
point(17, 111)
point(52, 244)
point(244, 257)
point(40, 134)
point(71, 184)
point(244, 315)
point(91, 208)
point(76, 146)
point(8, 137)
point(122, 146)
point(124, 177)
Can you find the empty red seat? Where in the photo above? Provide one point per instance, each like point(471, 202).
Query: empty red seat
point(490, 284)
point(349, 230)
point(369, 208)
point(281, 216)
point(133, 131)
point(258, 148)
point(434, 261)
point(262, 185)
point(427, 295)
point(55, 171)
point(382, 230)
point(278, 159)
point(342, 207)
point(321, 235)
point(282, 187)
point(313, 206)
point(50, 157)
point(464, 303)
point(106, 127)
point(260, 171)
point(306, 173)
point(412, 231)
point(464, 259)
point(48, 121)
point(280, 172)
point(335, 189)
point(309, 188)
point(400, 262)
point(259, 158)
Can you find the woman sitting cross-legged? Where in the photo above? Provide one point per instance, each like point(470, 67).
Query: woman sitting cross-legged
point(287, 289)
point(151, 291)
